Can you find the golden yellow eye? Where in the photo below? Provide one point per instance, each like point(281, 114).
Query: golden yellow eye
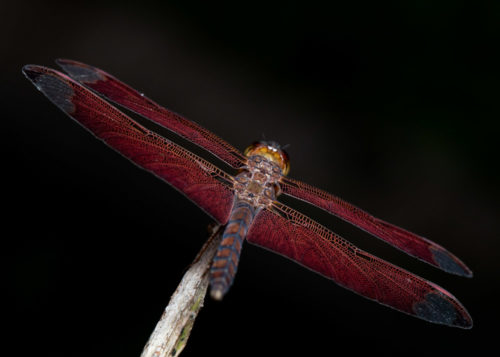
point(272, 152)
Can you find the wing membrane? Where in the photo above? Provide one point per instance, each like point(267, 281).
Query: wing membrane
point(119, 92)
point(408, 242)
point(288, 232)
point(202, 182)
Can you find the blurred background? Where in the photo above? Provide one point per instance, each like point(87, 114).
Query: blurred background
point(393, 106)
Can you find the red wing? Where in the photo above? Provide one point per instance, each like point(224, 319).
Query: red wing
point(117, 91)
point(200, 181)
point(408, 242)
point(299, 238)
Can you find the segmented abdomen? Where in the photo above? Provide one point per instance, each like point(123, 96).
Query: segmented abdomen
point(226, 260)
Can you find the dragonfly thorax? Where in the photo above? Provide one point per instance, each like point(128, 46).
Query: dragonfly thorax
point(258, 183)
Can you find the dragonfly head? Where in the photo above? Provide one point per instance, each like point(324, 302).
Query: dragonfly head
point(272, 151)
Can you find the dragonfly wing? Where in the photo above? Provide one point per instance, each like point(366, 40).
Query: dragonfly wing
point(289, 233)
point(209, 187)
point(408, 242)
point(119, 92)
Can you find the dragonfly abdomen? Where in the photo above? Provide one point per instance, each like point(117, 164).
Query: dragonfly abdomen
point(226, 259)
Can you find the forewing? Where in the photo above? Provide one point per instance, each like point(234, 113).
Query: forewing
point(119, 92)
point(202, 182)
point(288, 232)
point(408, 242)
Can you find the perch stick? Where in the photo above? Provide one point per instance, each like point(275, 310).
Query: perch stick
point(172, 331)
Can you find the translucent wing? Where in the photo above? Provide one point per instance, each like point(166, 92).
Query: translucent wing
point(288, 232)
point(117, 91)
point(408, 242)
point(200, 181)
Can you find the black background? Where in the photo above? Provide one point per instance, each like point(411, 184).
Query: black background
point(392, 106)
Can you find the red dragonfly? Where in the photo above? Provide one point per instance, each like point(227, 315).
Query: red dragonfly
point(246, 202)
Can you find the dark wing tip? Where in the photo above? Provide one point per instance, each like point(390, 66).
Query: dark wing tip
point(32, 71)
point(449, 263)
point(80, 71)
point(64, 61)
point(54, 85)
point(35, 74)
point(442, 309)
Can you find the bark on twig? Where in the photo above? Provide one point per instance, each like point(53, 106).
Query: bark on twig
point(172, 331)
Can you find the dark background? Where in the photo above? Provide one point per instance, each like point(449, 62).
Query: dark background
point(392, 106)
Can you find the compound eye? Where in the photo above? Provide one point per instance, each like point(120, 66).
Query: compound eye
point(249, 151)
point(286, 162)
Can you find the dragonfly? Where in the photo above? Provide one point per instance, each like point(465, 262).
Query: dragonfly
point(246, 203)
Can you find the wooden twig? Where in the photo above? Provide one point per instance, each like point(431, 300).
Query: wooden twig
point(172, 331)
